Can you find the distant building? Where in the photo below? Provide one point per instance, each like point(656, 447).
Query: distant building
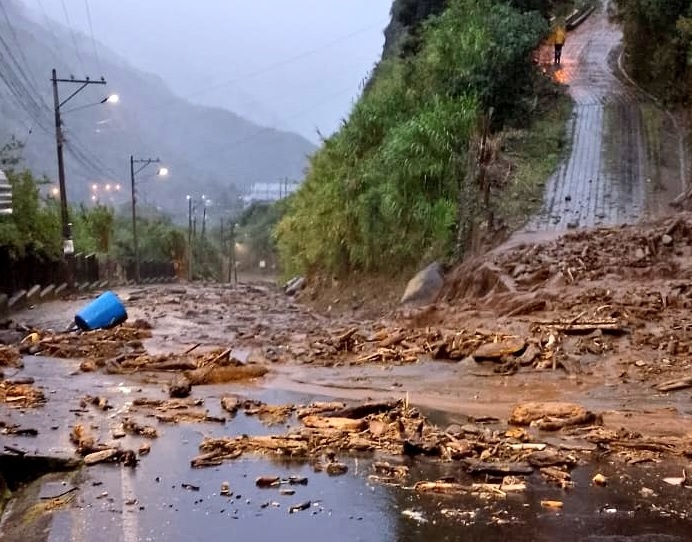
point(5, 195)
point(268, 192)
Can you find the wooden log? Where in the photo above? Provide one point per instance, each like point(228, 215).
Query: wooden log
point(366, 409)
point(109, 454)
point(675, 385)
point(496, 351)
point(474, 466)
point(392, 340)
point(440, 486)
point(332, 422)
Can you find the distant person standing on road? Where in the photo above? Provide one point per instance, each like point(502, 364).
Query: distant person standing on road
point(559, 37)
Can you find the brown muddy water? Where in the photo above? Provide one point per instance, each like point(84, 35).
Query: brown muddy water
point(150, 503)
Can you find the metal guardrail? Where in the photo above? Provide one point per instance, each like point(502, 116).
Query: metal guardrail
point(5, 195)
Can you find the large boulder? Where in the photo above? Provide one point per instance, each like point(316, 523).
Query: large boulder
point(295, 285)
point(424, 288)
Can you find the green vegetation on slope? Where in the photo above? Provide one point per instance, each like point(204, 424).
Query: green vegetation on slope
point(399, 180)
point(658, 43)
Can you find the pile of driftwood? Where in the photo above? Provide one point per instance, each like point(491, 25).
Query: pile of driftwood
point(393, 428)
point(216, 367)
point(95, 346)
point(94, 452)
point(499, 454)
point(540, 350)
point(185, 410)
point(20, 395)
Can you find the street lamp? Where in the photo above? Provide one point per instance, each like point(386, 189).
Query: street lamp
point(67, 245)
point(162, 172)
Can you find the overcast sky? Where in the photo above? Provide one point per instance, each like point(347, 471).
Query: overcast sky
point(247, 50)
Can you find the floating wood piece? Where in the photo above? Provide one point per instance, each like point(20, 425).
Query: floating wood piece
point(171, 365)
point(101, 457)
point(440, 486)
point(332, 422)
point(612, 327)
point(496, 351)
point(549, 458)
point(366, 409)
point(555, 505)
point(551, 416)
point(392, 340)
point(675, 385)
point(474, 466)
point(193, 347)
point(268, 481)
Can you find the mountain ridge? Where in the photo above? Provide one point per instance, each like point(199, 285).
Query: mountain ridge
point(208, 150)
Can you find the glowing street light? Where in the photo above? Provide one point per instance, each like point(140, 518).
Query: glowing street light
point(112, 99)
point(162, 172)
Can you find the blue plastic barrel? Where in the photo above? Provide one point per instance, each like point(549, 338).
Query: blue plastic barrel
point(103, 312)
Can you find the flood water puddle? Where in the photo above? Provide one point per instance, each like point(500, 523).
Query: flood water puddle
point(164, 499)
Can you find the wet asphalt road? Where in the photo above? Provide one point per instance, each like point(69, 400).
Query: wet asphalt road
point(149, 503)
point(607, 178)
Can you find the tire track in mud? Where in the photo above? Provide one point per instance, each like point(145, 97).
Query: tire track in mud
point(604, 181)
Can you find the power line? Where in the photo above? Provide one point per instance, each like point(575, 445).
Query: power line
point(274, 65)
point(73, 34)
point(93, 40)
point(19, 45)
point(20, 92)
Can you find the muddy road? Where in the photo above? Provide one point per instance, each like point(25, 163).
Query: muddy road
point(596, 319)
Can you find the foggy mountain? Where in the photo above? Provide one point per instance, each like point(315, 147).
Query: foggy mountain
point(207, 150)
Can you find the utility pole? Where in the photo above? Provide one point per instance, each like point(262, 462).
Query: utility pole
point(223, 246)
point(135, 240)
point(189, 238)
point(67, 242)
point(204, 220)
point(233, 268)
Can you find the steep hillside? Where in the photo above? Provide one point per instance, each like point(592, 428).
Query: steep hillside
point(417, 172)
point(208, 151)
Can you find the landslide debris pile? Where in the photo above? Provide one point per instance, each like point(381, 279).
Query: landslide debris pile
point(652, 250)
point(549, 438)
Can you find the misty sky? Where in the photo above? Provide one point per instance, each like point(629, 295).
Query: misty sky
point(195, 45)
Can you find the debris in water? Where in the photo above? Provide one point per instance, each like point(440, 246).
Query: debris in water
point(190, 487)
point(554, 505)
point(599, 480)
point(681, 481)
point(268, 481)
point(414, 515)
point(299, 507)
